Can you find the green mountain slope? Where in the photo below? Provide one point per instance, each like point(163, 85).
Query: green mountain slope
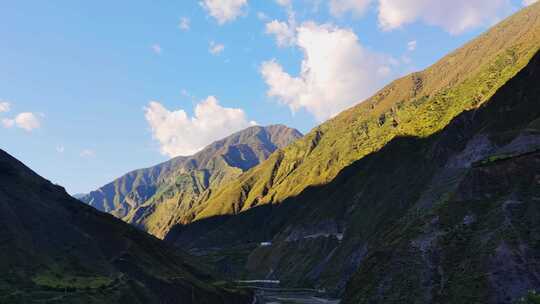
point(441, 132)
point(471, 234)
point(149, 197)
point(417, 105)
point(53, 249)
point(449, 218)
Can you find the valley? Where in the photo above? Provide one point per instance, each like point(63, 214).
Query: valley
point(426, 192)
point(267, 292)
point(284, 297)
point(396, 210)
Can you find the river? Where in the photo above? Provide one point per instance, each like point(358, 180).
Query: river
point(278, 297)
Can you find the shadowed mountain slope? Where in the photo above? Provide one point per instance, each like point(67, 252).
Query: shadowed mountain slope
point(416, 105)
point(457, 218)
point(420, 144)
point(448, 218)
point(149, 197)
point(54, 249)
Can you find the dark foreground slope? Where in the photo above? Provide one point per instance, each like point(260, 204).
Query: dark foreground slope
point(54, 249)
point(453, 217)
point(153, 198)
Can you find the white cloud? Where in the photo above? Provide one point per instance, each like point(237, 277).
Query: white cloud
point(224, 10)
point(179, 134)
point(26, 121)
point(8, 123)
point(216, 48)
point(285, 33)
point(185, 93)
point(262, 16)
point(406, 59)
point(87, 153)
point(340, 7)
point(184, 24)
point(529, 2)
point(454, 16)
point(286, 3)
point(336, 72)
point(157, 49)
point(4, 106)
point(60, 149)
point(411, 45)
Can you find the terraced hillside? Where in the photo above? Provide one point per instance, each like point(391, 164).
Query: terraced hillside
point(53, 249)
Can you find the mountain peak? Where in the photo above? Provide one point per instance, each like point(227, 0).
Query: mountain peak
point(189, 176)
point(424, 193)
point(418, 104)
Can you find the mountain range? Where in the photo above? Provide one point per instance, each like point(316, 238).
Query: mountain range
point(151, 198)
point(427, 192)
point(395, 192)
point(56, 250)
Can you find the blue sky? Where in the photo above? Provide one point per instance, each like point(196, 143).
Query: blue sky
point(90, 90)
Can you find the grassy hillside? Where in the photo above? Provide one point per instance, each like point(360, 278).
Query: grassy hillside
point(404, 177)
point(416, 105)
point(53, 249)
point(448, 218)
point(149, 197)
point(472, 233)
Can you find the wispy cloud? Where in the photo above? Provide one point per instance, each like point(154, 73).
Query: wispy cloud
point(285, 32)
point(216, 48)
point(262, 16)
point(455, 16)
point(156, 48)
point(411, 45)
point(87, 153)
point(224, 10)
point(340, 7)
point(4, 106)
point(184, 24)
point(8, 122)
point(284, 2)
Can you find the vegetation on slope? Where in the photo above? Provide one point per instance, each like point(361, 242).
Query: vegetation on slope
point(149, 197)
point(417, 181)
point(472, 237)
point(435, 219)
point(54, 249)
point(416, 105)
